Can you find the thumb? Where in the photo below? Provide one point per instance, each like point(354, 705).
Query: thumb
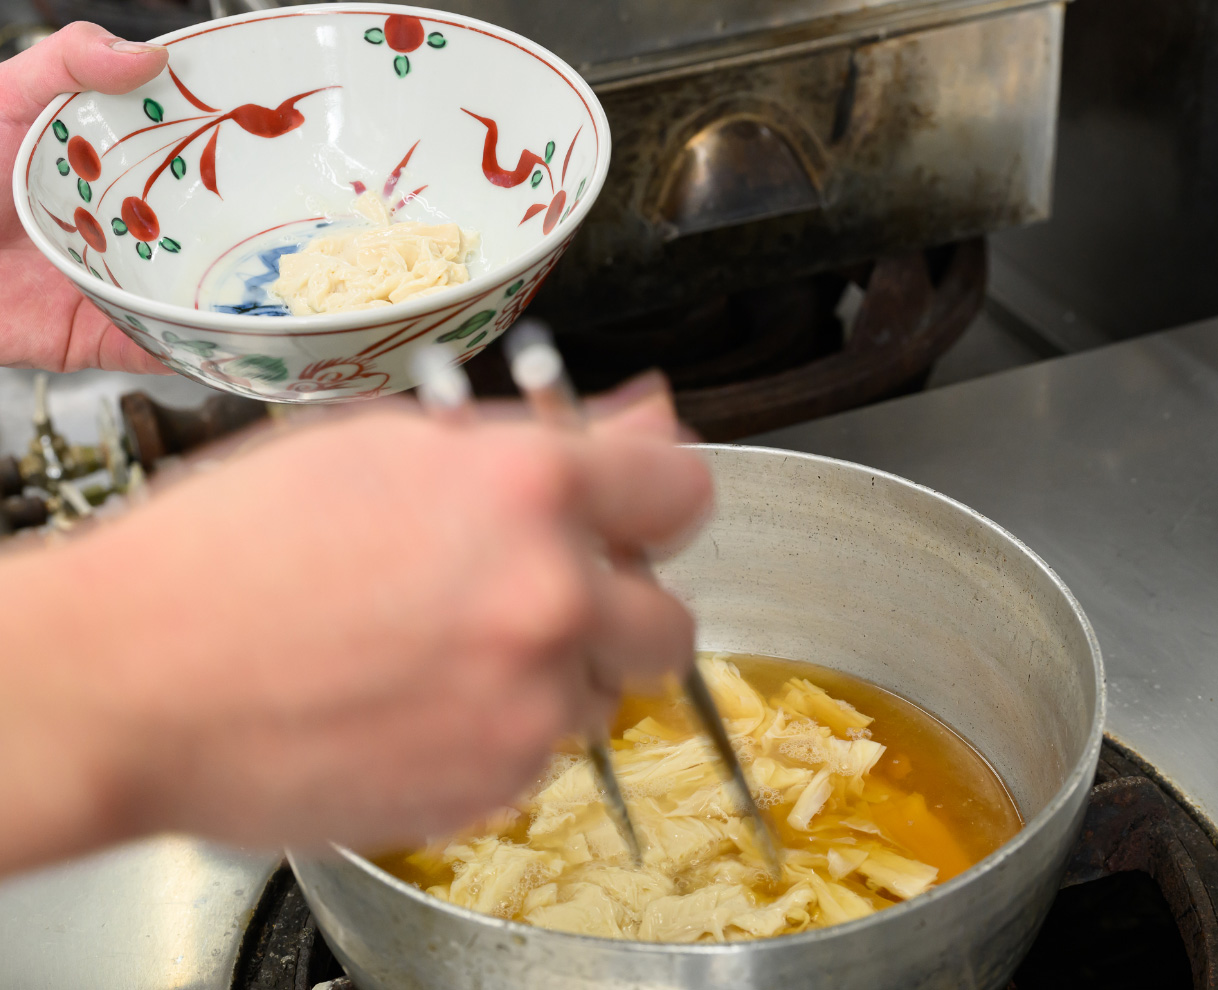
point(81, 56)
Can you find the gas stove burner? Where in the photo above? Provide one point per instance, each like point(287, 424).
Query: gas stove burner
point(283, 949)
point(747, 361)
point(1138, 903)
point(1136, 909)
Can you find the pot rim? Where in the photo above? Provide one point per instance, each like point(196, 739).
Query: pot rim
point(1080, 775)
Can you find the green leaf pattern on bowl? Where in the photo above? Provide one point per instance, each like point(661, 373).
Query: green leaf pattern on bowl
point(250, 372)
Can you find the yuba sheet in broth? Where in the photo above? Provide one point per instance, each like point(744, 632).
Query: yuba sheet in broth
point(874, 802)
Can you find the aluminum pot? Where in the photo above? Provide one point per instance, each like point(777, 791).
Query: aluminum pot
point(831, 562)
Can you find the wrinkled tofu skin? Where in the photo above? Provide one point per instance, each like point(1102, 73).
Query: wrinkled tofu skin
point(492, 876)
point(701, 878)
point(366, 267)
point(724, 912)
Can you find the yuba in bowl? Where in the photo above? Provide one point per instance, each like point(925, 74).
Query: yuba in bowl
point(169, 207)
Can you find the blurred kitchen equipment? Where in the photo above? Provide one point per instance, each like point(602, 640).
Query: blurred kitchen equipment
point(17, 36)
point(814, 136)
point(812, 558)
point(23, 512)
point(1133, 242)
point(226, 8)
point(137, 20)
point(755, 141)
point(760, 150)
point(757, 146)
point(155, 431)
point(538, 371)
point(60, 482)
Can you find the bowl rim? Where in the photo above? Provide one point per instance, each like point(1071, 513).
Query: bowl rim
point(320, 324)
point(1080, 774)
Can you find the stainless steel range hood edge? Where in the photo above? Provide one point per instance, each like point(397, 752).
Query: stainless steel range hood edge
point(819, 34)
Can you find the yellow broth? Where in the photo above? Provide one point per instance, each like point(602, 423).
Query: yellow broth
point(930, 803)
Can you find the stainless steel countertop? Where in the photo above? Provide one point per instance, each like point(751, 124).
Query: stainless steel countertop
point(1106, 464)
point(165, 914)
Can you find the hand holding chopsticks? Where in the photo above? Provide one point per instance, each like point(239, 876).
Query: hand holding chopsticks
point(538, 371)
point(445, 392)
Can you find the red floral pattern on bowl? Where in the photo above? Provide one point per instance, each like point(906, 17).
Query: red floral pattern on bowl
point(264, 122)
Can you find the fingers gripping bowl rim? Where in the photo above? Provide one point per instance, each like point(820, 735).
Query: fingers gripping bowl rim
point(180, 194)
point(1008, 657)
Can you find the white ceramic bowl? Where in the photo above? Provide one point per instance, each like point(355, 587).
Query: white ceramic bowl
point(168, 206)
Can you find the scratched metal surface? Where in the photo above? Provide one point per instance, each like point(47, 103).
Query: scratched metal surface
point(622, 38)
point(165, 914)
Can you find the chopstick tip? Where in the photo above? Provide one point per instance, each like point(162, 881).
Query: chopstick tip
point(533, 359)
point(442, 383)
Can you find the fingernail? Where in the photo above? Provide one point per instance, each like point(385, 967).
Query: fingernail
point(635, 392)
point(135, 47)
point(639, 389)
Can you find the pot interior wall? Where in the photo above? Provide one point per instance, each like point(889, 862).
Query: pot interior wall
point(841, 566)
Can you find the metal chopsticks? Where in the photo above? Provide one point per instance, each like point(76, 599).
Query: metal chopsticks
point(444, 390)
point(538, 371)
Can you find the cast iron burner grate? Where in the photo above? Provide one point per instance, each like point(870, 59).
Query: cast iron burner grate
point(750, 360)
point(1136, 909)
point(1138, 904)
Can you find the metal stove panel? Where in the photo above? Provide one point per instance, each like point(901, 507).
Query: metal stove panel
point(743, 174)
point(621, 38)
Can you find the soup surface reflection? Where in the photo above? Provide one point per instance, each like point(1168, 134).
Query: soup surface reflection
point(872, 799)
